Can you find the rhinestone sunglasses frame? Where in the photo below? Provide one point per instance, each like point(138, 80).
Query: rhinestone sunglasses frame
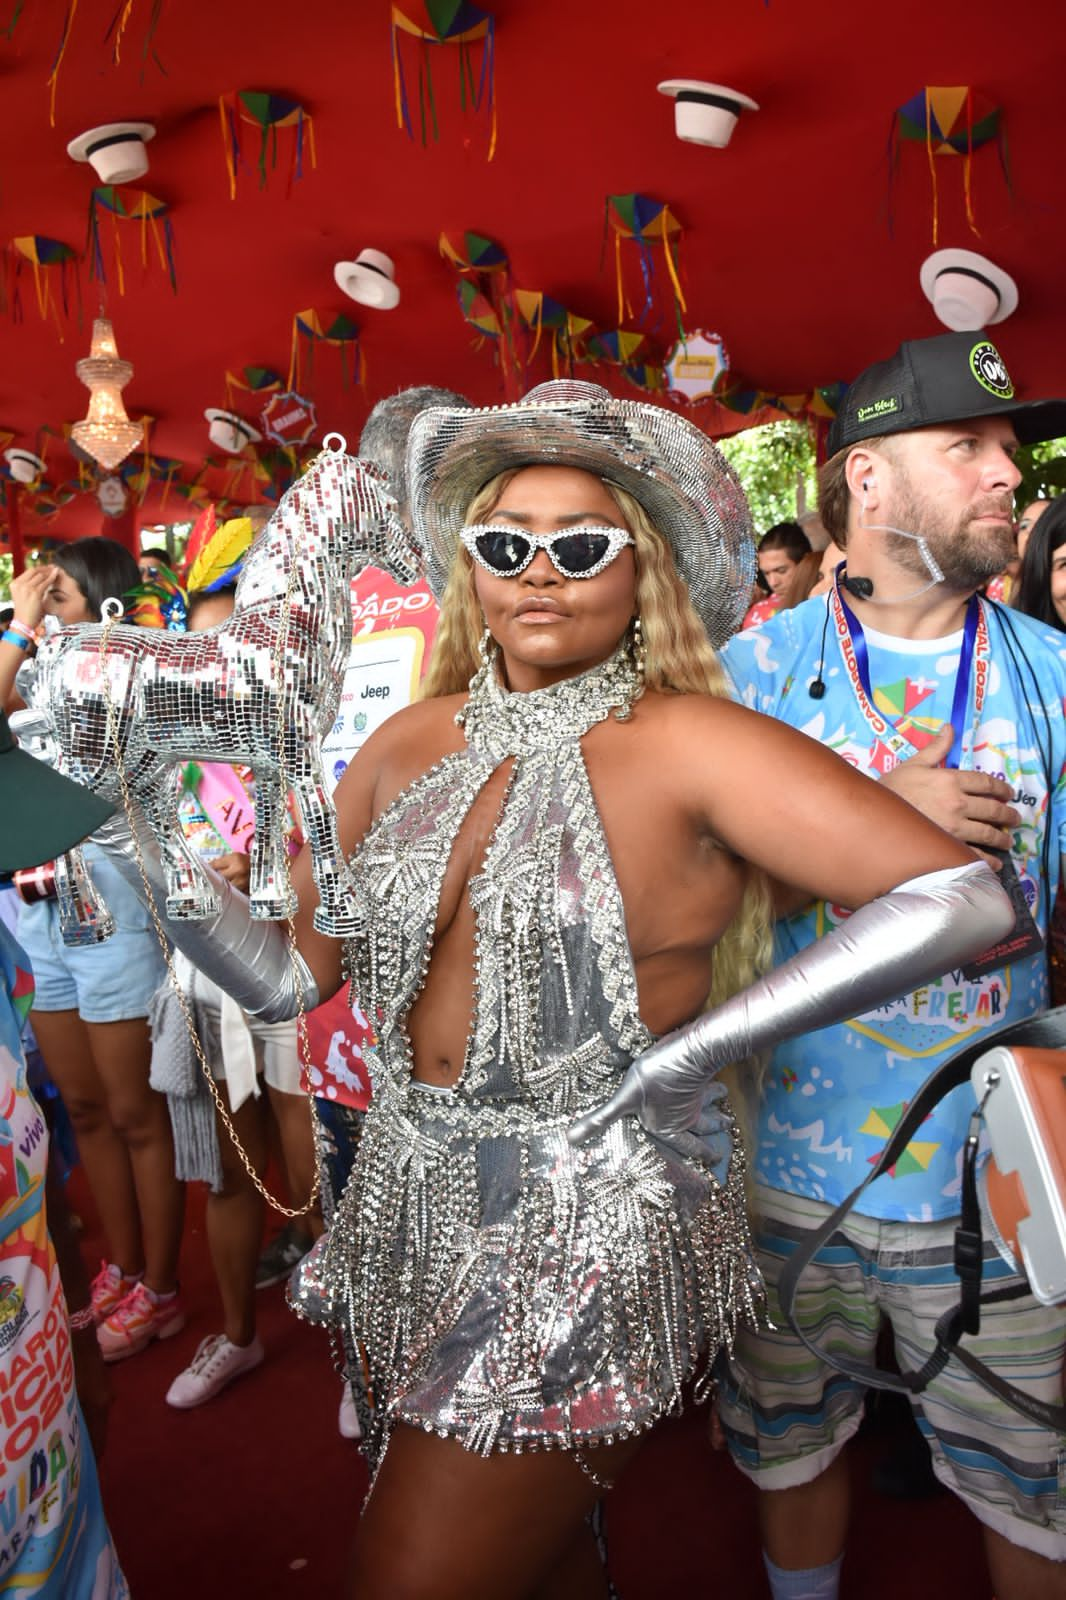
point(617, 539)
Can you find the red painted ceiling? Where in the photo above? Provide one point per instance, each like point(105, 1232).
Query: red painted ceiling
point(786, 249)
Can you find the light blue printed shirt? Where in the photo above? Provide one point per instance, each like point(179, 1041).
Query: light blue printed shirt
point(832, 1097)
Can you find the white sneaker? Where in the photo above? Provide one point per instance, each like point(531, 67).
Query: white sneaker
point(347, 1416)
point(215, 1364)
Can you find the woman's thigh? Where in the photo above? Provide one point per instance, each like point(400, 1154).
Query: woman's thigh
point(446, 1524)
point(63, 1040)
point(122, 1052)
point(249, 1123)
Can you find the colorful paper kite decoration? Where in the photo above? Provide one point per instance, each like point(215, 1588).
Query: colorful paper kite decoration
point(539, 312)
point(252, 380)
point(628, 349)
point(825, 402)
point(646, 376)
point(196, 492)
point(473, 252)
point(336, 330)
point(619, 348)
point(240, 480)
point(48, 501)
point(642, 226)
point(127, 205)
point(479, 311)
point(949, 122)
point(151, 469)
point(276, 469)
point(486, 299)
point(270, 114)
point(55, 271)
point(431, 24)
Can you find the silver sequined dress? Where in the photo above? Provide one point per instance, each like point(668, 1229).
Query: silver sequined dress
point(507, 1289)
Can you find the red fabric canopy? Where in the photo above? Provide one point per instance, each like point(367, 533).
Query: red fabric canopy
point(785, 250)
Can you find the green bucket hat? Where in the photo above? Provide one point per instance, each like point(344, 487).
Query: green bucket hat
point(44, 813)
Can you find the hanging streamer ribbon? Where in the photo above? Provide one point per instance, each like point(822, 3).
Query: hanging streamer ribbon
point(339, 331)
point(269, 113)
point(568, 330)
point(434, 24)
point(52, 262)
point(130, 205)
point(645, 223)
point(116, 30)
point(252, 380)
point(951, 121)
point(486, 300)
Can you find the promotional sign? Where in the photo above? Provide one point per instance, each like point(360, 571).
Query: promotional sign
point(392, 634)
point(112, 496)
point(289, 419)
point(696, 366)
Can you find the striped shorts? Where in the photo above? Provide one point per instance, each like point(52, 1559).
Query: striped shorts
point(787, 1415)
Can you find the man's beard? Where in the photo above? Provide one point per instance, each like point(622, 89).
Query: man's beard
point(966, 555)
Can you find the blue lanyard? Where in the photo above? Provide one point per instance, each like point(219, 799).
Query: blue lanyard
point(961, 694)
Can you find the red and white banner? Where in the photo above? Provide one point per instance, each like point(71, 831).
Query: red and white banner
point(392, 634)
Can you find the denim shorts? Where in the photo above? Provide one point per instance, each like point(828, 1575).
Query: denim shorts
point(108, 982)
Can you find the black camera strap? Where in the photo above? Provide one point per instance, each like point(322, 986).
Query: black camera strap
point(1047, 1032)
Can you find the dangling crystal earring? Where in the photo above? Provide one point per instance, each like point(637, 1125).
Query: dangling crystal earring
point(639, 651)
point(486, 652)
point(638, 655)
point(486, 648)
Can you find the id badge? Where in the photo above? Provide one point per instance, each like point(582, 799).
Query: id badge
point(1023, 940)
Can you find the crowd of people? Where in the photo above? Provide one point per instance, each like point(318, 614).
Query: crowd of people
point(599, 936)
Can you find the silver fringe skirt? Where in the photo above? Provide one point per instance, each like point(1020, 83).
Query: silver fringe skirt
point(517, 1293)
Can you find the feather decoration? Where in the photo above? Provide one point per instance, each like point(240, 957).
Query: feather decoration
point(159, 602)
point(203, 529)
point(219, 559)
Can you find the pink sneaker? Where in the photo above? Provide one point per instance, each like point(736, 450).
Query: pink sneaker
point(138, 1319)
point(109, 1288)
point(216, 1363)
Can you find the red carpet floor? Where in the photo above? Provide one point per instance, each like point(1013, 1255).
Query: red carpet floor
point(256, 1495)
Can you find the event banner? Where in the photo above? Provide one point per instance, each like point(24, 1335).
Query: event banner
point(392, 633)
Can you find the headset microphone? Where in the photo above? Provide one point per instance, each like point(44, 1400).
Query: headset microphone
point(816, 690)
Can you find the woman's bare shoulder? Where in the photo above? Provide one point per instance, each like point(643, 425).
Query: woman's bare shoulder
point(710, 736)
point(421, 719)
point(684, 715)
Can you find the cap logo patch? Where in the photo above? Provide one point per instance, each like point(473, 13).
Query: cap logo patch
point(986, 364)
point(878, 408)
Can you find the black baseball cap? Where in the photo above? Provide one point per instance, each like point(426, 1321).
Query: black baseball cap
point(44, 813)
point(949, 378)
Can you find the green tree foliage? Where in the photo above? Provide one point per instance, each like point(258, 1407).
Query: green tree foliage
point(1043, 468)
point(772, 463)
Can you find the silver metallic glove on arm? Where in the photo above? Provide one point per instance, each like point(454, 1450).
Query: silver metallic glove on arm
point(249, 960)
point(916, 932)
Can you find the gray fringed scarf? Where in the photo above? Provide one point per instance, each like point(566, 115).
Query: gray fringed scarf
point(176, 1072)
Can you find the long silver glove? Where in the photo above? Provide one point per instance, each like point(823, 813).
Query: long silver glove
point(916, 932)
point(250, 960)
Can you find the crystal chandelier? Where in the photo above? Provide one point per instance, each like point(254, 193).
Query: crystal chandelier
point(107, 434)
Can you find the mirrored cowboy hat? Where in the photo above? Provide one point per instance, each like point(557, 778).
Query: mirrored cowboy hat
point(668, 465)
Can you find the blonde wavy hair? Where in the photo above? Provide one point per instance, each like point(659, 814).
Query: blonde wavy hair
point(680, 660)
